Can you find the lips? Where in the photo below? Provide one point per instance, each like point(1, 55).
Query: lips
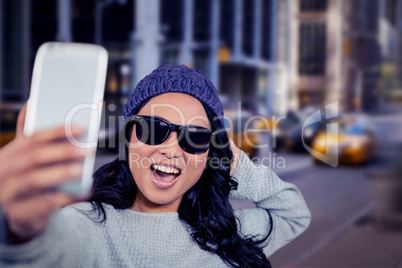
point(164, 176)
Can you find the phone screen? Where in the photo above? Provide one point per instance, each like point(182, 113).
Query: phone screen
point(67, 89)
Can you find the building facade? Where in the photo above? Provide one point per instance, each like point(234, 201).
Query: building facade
point(316, 52)
point(390, 41)
point(362, 54)
point(341, 46)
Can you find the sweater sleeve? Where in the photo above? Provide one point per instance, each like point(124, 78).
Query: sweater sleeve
point(66, 239)
point(280, 207)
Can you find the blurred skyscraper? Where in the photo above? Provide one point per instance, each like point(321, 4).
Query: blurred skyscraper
point(316, 54)
point(362, 54)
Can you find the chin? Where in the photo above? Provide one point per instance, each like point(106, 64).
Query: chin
point(160, 199)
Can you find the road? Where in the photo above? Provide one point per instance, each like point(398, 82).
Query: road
point(336, 197)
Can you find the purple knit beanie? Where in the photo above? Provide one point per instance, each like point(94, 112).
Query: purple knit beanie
point(180, 79)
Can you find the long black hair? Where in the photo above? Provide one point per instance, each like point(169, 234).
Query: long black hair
point(205, 207)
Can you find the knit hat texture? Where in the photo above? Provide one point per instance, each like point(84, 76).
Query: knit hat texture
point(180, 79)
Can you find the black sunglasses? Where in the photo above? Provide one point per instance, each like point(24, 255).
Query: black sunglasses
point(154, 131)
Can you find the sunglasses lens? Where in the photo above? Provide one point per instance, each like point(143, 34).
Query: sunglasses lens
point(195, 140)
point(152, 131)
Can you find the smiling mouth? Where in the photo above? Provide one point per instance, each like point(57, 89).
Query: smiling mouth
point(165, 169)
point(164, 176)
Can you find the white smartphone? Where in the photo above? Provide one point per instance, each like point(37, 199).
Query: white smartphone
point(67, 88)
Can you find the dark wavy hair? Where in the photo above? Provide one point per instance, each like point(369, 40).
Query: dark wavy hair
point(205, 207)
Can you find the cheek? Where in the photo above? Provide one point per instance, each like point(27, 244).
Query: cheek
point(196, 167)
point(138, 154)
point(139, 158)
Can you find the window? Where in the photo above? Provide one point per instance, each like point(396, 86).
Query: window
point(313, 5)
point(226, 23)
point(312, 48)
point(391, 11)
point(117, 24)
point(266, 30)
point(202, 20)
point(83, 21)
point(172, 20)
point(248, 31)
point(12, 45)
point(43, 23)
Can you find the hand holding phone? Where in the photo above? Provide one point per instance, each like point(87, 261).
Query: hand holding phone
point(30, 167)
point(46, 158)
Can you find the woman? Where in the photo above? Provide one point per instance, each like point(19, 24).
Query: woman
point(162, 203)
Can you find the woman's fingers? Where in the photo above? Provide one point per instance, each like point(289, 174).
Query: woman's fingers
point(21, 120)
point(46, 155)
point(51, 153)
point(24, 144)
point(54, 134)
point(25, 154)
point(39, 180)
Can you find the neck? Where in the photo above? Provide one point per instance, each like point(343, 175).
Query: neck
point(142, 204)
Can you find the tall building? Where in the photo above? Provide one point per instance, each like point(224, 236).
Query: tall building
point(362, 54)
point(390, 41)
point(316, 51)
point(338, 51)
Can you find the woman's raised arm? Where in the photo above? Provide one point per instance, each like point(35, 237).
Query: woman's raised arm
point(283, 201)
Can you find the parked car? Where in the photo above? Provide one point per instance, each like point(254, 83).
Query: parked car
point(355, 140)
point(8, 121)
point(293, 136)
point(291, 120)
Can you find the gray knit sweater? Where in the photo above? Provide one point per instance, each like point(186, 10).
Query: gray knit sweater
point(135, 239)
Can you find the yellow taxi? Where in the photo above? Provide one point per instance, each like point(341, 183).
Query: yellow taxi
point(351, 140)
point(8, 122)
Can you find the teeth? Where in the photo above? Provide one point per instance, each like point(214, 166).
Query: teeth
point(171, 170)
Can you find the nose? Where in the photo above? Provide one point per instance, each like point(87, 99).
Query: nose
point(170, 147)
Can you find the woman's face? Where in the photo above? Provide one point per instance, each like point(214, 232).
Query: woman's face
point(154, 166)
